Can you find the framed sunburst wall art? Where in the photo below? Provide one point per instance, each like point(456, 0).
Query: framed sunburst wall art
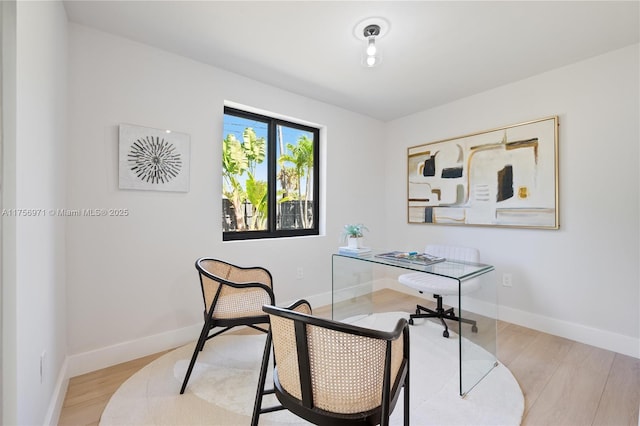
point(153, 159)
point(501, 177)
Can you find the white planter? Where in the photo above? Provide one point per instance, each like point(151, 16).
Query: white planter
point(354, 242)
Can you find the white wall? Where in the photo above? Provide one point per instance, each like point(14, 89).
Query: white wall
point(582, 280)
point(33, 247)
point(8, 192)
point(132, 286)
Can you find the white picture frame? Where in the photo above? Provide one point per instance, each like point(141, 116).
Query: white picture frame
point(153, 159)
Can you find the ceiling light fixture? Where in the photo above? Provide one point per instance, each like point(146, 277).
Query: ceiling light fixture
point(370, 31)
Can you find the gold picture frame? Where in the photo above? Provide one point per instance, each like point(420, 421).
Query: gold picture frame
point(506, 177)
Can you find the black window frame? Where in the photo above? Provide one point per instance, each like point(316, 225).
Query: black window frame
point(271, 231)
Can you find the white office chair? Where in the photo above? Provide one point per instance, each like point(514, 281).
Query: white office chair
point(442, 286)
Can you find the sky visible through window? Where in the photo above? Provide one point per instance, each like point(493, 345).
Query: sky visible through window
point(236, 125)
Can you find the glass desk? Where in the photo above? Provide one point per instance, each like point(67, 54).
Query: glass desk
point(356, 278)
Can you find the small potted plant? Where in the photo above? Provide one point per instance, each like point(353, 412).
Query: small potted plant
point(353, 234)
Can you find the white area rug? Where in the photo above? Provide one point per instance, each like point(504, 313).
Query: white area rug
point(223, 384)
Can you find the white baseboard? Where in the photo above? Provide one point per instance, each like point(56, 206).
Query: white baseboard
point(603, 339)
point(52, 416)
point(608, 340)
point(321, 299)
point(86, 362)
point(97, 359)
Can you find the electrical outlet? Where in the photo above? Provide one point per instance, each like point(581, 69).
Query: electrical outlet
point(507, 280)
point(299, 273)
point(43, 364)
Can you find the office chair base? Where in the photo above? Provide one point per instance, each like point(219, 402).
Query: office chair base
point(441, 314)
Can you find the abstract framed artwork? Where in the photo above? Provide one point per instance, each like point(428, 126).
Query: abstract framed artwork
point(505, 177)
point(153, 159)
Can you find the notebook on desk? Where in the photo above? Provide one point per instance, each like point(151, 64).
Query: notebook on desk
point(361, 251)
point(412, 256)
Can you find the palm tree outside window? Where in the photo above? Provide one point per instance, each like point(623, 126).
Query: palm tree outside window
point(270, 182)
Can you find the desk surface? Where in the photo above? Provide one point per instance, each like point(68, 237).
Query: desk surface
point(354, 279)
point(449, 268)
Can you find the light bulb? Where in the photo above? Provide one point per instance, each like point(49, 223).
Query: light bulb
point(371, 46)
point(371, 61)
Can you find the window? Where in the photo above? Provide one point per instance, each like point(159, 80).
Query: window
point(270, 182)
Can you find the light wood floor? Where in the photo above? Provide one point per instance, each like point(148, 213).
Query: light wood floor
point(563, 382)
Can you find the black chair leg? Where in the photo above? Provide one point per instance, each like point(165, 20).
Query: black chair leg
point(406, 385)
point(407, 413)
point(257, 406)
point(199, 346)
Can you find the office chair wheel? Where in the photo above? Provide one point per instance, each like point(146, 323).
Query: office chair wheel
point(410, 321)
point(417, 311)
point(445, 334)
point(474, 329)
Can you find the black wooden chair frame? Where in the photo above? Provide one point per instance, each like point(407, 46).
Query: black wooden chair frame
point(211, 323)
point(305, 408)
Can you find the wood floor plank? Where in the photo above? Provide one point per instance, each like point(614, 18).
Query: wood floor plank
point(502, 325)
point(619, 403)
point(391, 300)
point(88, 394)
point(535, 366)
point(572, 394)
point(512, 341)
point(91, 387)
point(85, 414)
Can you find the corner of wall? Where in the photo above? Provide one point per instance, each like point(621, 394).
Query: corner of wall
point(57, 398)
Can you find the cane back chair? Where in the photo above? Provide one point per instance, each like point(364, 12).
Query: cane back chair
point(333, 373)
point(233, 296)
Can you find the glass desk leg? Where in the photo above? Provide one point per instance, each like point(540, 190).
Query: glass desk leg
point(352, 288)
point(477, 330)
